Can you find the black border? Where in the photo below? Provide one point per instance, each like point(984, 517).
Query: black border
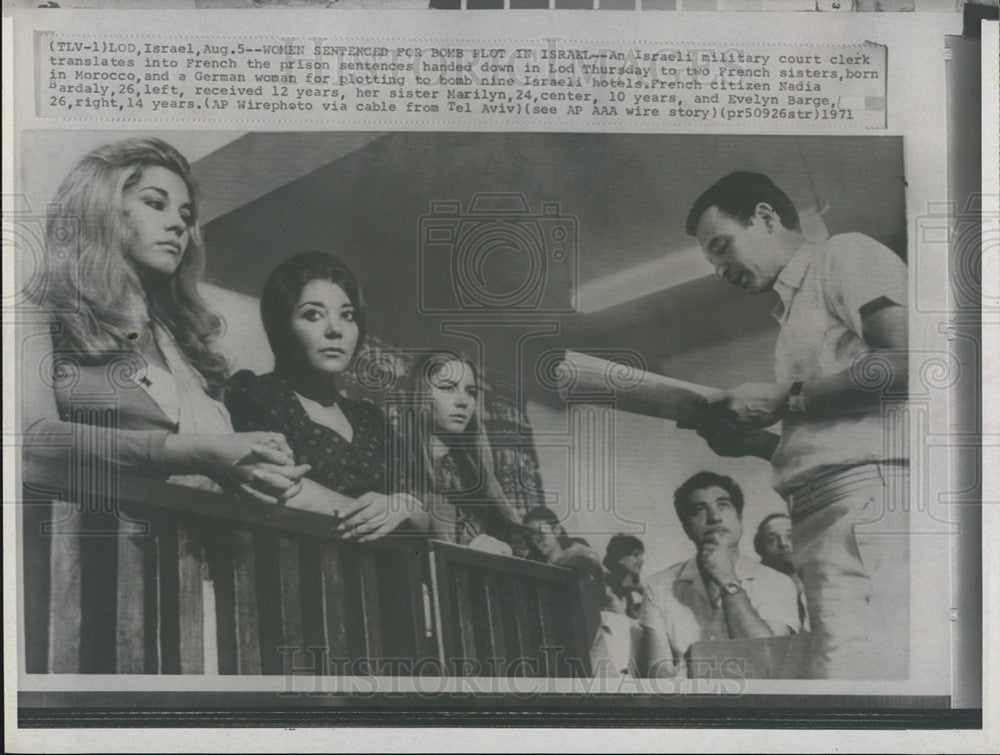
point(176, 710)
point(491, 710)
point(561, 716)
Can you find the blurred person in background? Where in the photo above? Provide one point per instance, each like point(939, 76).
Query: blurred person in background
point(773, 543)
point(614, 651)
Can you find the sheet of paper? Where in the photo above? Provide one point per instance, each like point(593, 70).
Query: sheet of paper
point(634, 389)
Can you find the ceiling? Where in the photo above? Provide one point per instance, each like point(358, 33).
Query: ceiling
point(623, 197)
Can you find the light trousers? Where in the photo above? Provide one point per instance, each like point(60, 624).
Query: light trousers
point(851, 537)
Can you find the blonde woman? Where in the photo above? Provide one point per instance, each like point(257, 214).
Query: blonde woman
point(457, 482)
point(123, 259)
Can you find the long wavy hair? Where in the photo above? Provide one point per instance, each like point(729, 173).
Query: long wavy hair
point(470, 449)
point(89, 281)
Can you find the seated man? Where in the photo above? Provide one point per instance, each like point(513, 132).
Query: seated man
point(717, 594)
point(773, 543)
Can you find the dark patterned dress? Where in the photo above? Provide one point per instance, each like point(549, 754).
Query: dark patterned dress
point(268, 403)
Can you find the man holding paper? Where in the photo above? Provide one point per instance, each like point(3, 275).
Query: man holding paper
point(843, 319)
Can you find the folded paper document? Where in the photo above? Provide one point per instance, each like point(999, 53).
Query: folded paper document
point(634, 390)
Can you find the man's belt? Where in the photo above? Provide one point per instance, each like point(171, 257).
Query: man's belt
point(827, 487)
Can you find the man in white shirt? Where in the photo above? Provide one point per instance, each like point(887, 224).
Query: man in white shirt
point(773, 543)
point(841, 375)
point(717, 594)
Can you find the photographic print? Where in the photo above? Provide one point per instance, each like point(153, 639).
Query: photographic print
point(376, 380)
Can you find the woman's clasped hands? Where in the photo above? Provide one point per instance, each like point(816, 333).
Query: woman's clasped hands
point(260, 465)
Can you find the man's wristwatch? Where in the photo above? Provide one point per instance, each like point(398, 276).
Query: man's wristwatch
point(796, 401)
point(732, 588)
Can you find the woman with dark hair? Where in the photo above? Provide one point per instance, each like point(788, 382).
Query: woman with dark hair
point(314, 315)
point(623, 561)
point(456, 476)
point(614, 650)
point(123, 257)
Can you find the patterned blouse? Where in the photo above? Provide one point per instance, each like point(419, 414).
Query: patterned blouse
point(268, 403)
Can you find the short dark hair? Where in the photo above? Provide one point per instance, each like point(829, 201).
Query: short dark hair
point(282, 291)
point(737, 195)
point(758, 538)
point(543, 513)
point(700, 481)
point(619, 546)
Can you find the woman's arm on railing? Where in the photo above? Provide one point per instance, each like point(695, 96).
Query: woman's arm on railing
point(368, 517)
point(50, 439)
point(375, 515)
point(234, 460)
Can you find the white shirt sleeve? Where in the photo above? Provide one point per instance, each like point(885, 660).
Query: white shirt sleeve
point(859, 270)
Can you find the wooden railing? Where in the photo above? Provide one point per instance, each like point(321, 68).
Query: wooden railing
point(504, 616)
point(152, 578)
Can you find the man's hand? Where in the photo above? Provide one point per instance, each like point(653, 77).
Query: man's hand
point(726, 439)
point(751, 406)
point(718, 561)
